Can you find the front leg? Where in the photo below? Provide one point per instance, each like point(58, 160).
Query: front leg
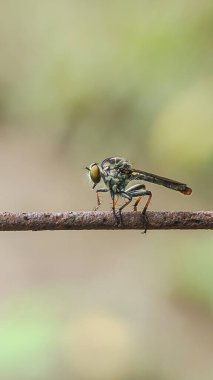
point(104, 190)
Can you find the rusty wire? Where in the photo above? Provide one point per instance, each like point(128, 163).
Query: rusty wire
point(94, 220)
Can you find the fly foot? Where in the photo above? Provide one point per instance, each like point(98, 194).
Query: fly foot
point(121, 222)
point(118, 218)
point(144, 221)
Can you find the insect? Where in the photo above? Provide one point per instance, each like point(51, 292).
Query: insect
point(117, 172)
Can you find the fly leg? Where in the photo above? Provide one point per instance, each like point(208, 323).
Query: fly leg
point(135, 191)
point(148, 201)
point(114, 201)
point(129, 197)
point(145, 208)
point(140, 191)
point(129, 194)
point(98, 198)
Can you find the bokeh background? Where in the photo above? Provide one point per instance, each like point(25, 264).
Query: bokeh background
point(80, 81)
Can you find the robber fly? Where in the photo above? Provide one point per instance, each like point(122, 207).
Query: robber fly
point(117, 172)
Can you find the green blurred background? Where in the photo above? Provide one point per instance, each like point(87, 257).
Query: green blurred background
point(81, 81)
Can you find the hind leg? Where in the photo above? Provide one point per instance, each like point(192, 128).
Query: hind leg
point(140, 192)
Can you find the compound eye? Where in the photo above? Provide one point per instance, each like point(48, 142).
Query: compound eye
point(95, 173)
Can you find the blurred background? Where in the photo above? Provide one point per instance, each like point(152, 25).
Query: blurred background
point(81, 81)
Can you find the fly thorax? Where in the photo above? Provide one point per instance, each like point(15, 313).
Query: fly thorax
point(114, 178)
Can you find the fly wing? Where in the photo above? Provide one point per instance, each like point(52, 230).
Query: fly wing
point(154, 178)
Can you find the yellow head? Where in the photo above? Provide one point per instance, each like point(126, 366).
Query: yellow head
point(94, 173)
